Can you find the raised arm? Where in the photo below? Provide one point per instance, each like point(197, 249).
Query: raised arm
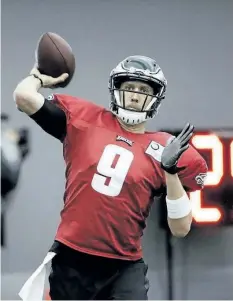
point(180, 174)
point(28, 99)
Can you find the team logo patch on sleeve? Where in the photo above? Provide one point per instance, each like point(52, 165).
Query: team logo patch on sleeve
point(155, 150)
point(201, 178)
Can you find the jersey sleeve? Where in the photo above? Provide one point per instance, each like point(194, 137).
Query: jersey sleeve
point(194, 170)
point(76, 109)
point(56, 113)
point(62, 101)
point(72, 106)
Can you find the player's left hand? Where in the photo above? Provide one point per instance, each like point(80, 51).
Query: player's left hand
point(175, 149)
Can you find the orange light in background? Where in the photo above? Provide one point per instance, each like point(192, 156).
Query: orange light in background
point(208, 142)
point(231, 154)
point(200, 214)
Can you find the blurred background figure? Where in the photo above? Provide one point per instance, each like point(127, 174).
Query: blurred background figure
point(14, 150)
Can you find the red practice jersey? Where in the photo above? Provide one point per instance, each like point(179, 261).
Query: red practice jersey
point(111, 178)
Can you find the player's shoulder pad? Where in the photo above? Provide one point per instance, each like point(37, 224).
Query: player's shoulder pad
point(73, 105)
point(63, 99)
point(58, 97)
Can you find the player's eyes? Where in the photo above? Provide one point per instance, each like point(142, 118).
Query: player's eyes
point(129, 88)
point(144, 90)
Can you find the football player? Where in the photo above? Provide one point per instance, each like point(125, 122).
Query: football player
point(114, 169)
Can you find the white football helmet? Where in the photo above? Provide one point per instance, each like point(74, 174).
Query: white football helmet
point(140, 68)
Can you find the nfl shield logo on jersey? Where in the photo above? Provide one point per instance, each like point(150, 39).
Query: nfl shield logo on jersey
point(155, 150)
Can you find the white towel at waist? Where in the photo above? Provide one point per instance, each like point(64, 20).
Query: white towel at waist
point(33, 289)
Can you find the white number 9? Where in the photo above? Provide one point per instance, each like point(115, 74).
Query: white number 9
point(116, 173)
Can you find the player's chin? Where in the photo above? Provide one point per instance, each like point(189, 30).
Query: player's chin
point(133, 109)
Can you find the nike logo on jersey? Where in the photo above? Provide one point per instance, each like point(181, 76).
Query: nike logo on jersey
point(120, 138)
point(155, 150)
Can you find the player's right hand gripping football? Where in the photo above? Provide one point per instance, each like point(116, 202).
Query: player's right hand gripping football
point(48, 81)
point(175, 149)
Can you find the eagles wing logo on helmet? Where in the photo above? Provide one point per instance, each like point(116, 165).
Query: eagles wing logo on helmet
point(140, 68)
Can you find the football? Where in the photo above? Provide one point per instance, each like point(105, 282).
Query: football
point(54, 56)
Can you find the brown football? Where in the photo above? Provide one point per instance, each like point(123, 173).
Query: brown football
point(54, 57)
